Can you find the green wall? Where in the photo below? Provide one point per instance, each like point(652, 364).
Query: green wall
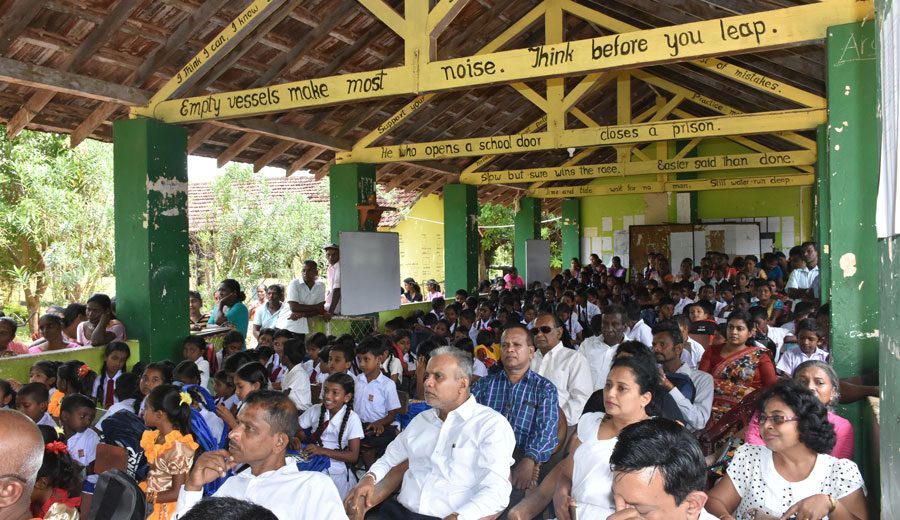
point(19, 367)
point(889, 374)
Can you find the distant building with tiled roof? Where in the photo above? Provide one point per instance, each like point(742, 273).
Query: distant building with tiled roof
point(200, 198)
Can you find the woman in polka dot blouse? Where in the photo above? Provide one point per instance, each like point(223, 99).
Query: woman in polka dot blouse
point(793, 475)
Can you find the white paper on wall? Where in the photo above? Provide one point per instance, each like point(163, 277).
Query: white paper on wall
point(607, 224)
point(638, 220)
point(590, 231)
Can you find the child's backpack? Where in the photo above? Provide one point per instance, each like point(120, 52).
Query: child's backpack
point(118, 496)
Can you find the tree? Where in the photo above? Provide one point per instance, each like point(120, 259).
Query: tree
point(497, 235)
point(249, 236)
point(55, 216)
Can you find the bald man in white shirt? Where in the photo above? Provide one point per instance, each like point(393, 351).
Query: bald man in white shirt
point(459, 452)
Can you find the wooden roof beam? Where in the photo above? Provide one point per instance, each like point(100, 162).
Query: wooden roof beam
point(46, 78)
point(16, 20)
point(96, 39)
point(151, 64)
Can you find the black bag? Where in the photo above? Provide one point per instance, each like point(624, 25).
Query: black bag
point(117, 496)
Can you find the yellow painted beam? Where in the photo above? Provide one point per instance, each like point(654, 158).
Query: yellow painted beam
point(225, 40)
point(442, 16)
point(628, 188)
point(529, 94)
point(556, 87)
point(765, 122)
point(733, 35)
point(413, 106)
point(716, 66)
point(688, 147)
point(386, 15)
point(536, 125)
point(417, 46)
point(586, 85)
point(623, 110)
point(668, 166)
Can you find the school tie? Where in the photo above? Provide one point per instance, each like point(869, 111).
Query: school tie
point(313, 377)
point(110, 397)
point(316, 435)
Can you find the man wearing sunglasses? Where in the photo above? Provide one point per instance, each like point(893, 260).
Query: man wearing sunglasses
point(21, 455)
point(564, 367)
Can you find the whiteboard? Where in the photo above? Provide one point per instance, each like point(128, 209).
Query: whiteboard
point(537, 261)
point(370, 272)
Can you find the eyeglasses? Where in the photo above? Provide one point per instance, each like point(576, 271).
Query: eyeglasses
point(777, 420)
point(544, 329)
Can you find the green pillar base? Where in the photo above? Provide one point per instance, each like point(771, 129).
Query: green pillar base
point(460, 238)
point(151, 223)
point(527, 227)
point(571, 230)
point(349, 185)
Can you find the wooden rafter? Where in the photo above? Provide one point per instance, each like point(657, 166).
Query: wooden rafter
point(16, 21)
point(53, 80)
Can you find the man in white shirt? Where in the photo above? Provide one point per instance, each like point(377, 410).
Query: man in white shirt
point(800, 285)
point(564, 367)
point(268, 315)
point(306, 297)
point(637, 329)
point(658, 467)
point(333, 277)
point(459, 452)
point(600, 349)
point(266, 424)
point(667, 346)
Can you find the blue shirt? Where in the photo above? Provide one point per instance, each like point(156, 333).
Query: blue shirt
point(237, 314)
point(531, 406)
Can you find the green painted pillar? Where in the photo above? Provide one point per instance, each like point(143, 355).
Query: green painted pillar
point(151, 223)
point(823, 211)
point(349, 185)
point(571, 230)
point(527, 227)
point(460, 238)
point(852, 251)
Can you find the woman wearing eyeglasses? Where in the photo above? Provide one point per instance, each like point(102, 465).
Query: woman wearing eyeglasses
point(792, 476)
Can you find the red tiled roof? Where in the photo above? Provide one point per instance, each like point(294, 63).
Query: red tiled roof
point(200, 198)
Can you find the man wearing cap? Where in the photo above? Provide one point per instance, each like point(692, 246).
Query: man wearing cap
point(333, 277)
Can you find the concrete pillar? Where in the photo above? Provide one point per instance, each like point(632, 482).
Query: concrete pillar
point(527, 227)
point(349, 185)
point(849, 252)
point(151, 226)
point(571, 230)
point(460, 238)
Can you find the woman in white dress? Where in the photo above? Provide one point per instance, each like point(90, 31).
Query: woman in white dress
point(585, 483)
point(793, 475)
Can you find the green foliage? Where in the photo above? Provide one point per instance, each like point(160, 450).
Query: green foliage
point(55, 215)
point(250, 236)
point(553, 232)
point(496, 242)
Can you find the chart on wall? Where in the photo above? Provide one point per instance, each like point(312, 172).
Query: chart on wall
point(609, 239)
point(776, 233)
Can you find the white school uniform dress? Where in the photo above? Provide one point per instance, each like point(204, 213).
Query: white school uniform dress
point(215, 423)
point(106, 382)
point(478, 368)
point(691, 353)
point(127, 404)
point(275, 368)
point(230, 402)
point(682, 303)
point(338, 471)
point(777, 335)
point(296, 384)
point(47, 420)
point(83, 448)
point(203, 366)
point(791, 359)
point(372, 400)
point(308, 366)
point(573, 327)
point(393, 366)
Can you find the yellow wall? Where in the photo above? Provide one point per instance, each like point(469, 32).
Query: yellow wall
point(422, 241)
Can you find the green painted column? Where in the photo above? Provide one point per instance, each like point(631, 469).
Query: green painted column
point(823, 210)
point(349, 185)
point(460, 238)
point(852, 250)
point(151, 223)
point(571, 230)
point(527, 227)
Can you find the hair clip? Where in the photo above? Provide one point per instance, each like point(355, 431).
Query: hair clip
point(185, 399)
point(84, 370)
point(57, 447)
point(60, 431)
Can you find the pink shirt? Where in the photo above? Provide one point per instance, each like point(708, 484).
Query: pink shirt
point(16, 347)
point(38, 349)
point(511, 282)
point(118, 329)
point(843, 430)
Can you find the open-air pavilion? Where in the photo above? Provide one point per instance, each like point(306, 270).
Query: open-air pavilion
point(547, 105)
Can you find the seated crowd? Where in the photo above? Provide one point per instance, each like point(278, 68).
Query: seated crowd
point(598, 396)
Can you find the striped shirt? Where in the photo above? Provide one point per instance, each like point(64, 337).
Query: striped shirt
point(531, 406)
